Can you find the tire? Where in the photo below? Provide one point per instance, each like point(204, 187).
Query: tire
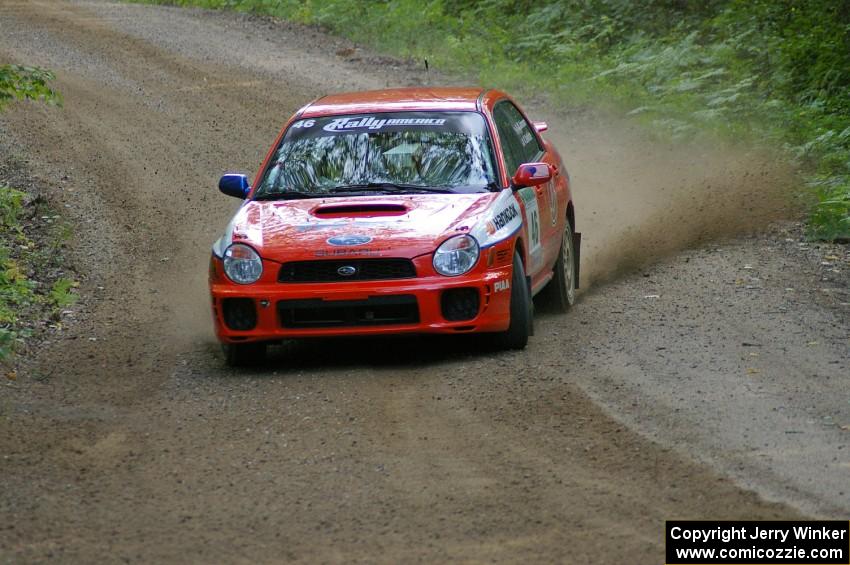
point(560, 294)
point(244, 354)
point(522, 310)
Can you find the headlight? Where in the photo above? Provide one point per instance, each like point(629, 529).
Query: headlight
point(456, 255)
point(242, 264)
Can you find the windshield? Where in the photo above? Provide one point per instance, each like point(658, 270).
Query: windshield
point(385, 152)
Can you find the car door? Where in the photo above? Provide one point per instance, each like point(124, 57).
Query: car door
point(520, 144)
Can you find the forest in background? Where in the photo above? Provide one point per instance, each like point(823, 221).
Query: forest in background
point(774, 73)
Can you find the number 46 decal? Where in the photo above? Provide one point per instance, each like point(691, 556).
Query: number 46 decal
point(532, 218)
point(553, 203)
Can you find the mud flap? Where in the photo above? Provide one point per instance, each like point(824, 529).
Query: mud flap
point(528, 285)
point(577, 253)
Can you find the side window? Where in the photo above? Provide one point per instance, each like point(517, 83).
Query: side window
point(508, 138)
point(519, 142)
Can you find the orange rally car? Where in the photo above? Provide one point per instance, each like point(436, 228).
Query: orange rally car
point(420, 210)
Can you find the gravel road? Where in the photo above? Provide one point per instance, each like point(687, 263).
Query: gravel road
point(710, 382)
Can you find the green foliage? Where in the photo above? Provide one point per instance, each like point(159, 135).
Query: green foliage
point(7, 342)
point(773, 72)
point(18, 256)
point(15, 290)
point(22, 83)
point(62, 294)
point(10, 207)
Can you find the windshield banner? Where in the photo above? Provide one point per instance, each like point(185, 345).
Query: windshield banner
point(460, 122)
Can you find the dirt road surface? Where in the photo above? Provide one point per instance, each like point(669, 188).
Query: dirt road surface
point(711, 383)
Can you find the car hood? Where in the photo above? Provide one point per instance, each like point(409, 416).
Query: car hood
point(397, 226)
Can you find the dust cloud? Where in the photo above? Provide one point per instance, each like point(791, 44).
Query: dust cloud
point(639, 199)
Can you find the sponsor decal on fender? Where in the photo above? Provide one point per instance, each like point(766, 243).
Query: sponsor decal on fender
point(502, 218)
point(500, 223)
point(502, 285)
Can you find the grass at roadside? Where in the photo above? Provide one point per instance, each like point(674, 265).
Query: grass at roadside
point(769, 73)
point(29, 292)
point(15, 289)
point(32, 285)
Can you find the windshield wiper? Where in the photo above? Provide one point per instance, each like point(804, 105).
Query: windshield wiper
point(287, 195)
point(389, 187)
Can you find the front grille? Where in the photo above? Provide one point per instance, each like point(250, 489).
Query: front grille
point(374, 311)
point(359, 269)
point(240, 314)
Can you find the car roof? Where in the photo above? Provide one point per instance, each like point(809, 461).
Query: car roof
point(395, 99)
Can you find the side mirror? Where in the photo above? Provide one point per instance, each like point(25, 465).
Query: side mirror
point(540, 126)
point(531, 174)
point(235, 185)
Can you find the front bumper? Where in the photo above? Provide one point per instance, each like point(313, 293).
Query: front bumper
point(384, 307)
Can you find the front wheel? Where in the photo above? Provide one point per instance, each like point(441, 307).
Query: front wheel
point(560, 293)
point(522, 310)
point(244, 354)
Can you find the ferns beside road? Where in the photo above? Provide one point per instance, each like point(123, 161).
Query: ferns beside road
point(19, 256)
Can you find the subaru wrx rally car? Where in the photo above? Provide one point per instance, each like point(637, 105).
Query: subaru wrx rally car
point(423, 210)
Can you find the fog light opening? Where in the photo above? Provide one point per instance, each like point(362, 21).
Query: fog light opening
point(459, 304)
point(240, 314)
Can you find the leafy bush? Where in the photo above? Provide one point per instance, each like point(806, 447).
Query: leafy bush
point(21, 83)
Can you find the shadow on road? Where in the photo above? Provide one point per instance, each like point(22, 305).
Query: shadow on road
point(358, 352)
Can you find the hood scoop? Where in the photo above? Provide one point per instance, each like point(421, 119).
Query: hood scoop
point(360, 210)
